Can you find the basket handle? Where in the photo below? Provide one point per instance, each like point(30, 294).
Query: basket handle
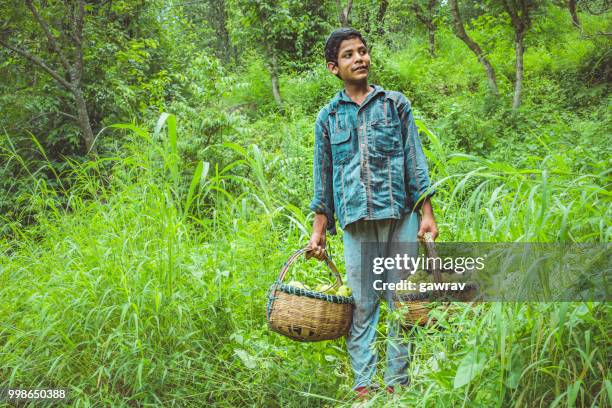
point(301, 251)
point(430, 248)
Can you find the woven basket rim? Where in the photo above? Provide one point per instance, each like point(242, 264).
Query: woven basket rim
point(292, 290)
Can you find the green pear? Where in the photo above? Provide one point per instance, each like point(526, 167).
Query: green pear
point(343, 291)
point(325, 288)
point(297, 284)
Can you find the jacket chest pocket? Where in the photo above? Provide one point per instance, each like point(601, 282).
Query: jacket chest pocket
point(386, 137)
point(341, 146)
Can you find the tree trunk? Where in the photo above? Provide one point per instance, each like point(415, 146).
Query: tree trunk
point(235, 55)
point(427, 20)
point(345, 12)
point(83, 119)
point(380, 17)
point(521, 22)
point(274, 76)
point(73, 70)
point(460, 32)
point(431, 27)
point(220, 12)
point(571, 5)
point(518, 85)
point(431, 31)
point(275, 88)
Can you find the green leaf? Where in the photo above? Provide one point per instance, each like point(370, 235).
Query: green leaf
point(160, 123)
point(471, 365)
point(171, 121)
point(572, 393)
point(195, 181)
point(608, 389)
point(248, 360)
point(206, 168)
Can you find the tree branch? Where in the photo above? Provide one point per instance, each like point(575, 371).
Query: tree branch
point(349, 6)
point(380, 16)
point(78, 48)
point(571, 5)
point(40, 63)
point(68, 115)
point(426, 20)
point(472, 45)
point(345, 12)
point(49, 36)
point(513, 17)
point(418, 12)
point(430, 8)
point(525, 17)
point(588, 7)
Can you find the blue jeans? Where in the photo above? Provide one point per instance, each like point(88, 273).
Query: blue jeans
point(362, 334)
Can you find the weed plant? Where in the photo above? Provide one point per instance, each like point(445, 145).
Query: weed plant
point(152, 290)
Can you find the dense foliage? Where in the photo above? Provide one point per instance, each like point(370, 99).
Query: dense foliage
point(136, 273)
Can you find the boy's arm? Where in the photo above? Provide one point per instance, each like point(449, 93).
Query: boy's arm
point(323, 200)
point(417, 173)
point(317, 239)
point(428, 222)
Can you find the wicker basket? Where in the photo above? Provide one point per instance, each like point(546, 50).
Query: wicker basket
point(416, 307)
point(307, 315)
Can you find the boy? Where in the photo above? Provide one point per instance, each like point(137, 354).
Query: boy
point(369, 172)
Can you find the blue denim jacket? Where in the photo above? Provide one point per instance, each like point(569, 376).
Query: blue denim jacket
point(368, 159)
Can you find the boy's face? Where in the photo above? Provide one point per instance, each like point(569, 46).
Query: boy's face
point(353, 61)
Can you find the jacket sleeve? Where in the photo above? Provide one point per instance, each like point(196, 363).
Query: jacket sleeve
point(323, 199)
point(415, 164)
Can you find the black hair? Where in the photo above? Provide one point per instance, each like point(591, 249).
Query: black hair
point(332, 45)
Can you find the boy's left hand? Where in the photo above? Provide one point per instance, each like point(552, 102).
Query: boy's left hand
point(428, 224)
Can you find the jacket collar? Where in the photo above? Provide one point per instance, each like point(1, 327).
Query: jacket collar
point(341, 96)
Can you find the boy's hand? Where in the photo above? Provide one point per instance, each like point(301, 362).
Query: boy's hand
point(428, 223)
point(317, 239)
point(317, 246)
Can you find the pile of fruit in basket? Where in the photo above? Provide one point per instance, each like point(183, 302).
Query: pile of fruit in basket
point(328, 289)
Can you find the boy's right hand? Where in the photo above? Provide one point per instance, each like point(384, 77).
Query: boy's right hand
point(316, 246)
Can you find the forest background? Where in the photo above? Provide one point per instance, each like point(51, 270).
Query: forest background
point(156, 167)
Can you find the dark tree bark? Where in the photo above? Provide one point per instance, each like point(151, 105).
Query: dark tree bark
point(427, 20)
point(460, 32)
point(380, 17)
point(571, 5)
point(596, 8)
point(345, 13)
point(71, 69)
point(521, 22)
point(518, 85)
point(592, 8)
point(220, 22)
point(274, 76)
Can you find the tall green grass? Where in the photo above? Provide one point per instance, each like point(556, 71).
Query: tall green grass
point(561, 198)
point(149, 287)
